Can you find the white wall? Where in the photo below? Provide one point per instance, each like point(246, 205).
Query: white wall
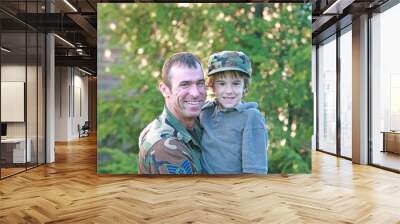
point(314, 91)
point(71, 94)
point(80, 110)
point(13, 73)
point(62, 81)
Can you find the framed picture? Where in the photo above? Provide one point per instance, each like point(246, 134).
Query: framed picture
point(135, 41)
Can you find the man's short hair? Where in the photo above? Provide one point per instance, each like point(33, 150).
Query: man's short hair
point(183, 58)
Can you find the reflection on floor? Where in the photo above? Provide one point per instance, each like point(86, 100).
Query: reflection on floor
point(10, 169)
point(386, 159)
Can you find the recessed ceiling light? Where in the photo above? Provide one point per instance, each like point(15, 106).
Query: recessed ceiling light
point(5, 49)
point(337, 7)
point(84, 71)
point(64, 40)
point(70, 5)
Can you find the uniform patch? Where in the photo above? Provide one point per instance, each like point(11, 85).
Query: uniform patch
point(183, 168)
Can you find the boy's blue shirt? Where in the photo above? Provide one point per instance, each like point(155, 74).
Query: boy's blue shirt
point(234, 140)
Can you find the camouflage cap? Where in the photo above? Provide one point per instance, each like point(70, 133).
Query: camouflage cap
point(228, 61)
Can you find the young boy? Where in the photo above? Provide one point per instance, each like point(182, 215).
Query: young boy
point(234, 137)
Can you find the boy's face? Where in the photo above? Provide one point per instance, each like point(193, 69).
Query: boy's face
point(228, 90)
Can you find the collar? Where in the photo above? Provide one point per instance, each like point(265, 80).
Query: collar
point(240, 107)
point(181, 129)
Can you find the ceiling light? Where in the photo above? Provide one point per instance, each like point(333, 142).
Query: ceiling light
point(64, 40)
point(5, 49)
point(84, 71)
point(337, 7)
point(70, 5)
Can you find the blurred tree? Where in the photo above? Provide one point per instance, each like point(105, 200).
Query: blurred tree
point(277, 37)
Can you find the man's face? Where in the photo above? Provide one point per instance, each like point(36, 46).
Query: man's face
point(187, 93)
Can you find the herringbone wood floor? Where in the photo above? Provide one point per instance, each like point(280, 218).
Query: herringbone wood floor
point(70, 191)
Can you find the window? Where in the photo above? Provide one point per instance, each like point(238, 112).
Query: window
point(346, 93)
point(385, 88)
point(327, 96)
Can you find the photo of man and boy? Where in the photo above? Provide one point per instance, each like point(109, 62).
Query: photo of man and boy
point(191, 136)
point(204, 88)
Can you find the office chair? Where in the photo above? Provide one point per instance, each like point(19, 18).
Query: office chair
point(84, 130)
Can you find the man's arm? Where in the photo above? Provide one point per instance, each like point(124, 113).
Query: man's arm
point(169, 156)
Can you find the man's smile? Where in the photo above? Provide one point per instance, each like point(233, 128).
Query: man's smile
point(194, 102)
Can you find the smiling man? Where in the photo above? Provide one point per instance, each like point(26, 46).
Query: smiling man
point(170, 144)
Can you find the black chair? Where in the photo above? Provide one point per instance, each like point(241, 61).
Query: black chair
point(84, 130)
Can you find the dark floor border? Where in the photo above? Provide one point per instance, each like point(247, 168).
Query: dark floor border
point(333, 154)
point(385, 168)
point(370, 164)
point(22, 171)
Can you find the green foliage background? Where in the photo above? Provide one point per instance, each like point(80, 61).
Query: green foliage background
point(277, 37)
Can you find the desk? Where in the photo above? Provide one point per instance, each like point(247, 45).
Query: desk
point(18, 149)
point(391, 141)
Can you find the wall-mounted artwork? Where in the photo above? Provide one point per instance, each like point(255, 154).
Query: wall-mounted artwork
point(204, 88)
point(12, 101)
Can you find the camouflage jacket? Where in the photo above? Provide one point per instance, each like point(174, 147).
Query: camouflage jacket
point(167, 147)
